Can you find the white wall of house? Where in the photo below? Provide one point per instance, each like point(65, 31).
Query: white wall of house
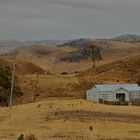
point(92, 95)
point(104, 95)
point(135, 95)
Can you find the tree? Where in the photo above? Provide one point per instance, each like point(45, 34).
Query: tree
point(93, 51)
point(5, 84)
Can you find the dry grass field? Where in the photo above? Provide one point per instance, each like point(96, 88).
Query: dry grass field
point(37, 87)
point(60, 119)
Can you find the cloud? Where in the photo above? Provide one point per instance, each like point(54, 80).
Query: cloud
point(76, 4)
point(72, 3)
point(36, 19)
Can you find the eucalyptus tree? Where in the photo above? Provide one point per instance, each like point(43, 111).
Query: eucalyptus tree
point(94, 52)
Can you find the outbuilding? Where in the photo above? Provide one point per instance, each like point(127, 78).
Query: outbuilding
point(114, 93)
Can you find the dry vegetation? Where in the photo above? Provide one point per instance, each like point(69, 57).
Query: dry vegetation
point(24, 68)
point(59, 119)
point(126, 70)
point(39, 87)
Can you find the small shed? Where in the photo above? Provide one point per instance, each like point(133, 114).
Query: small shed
point(114, 93)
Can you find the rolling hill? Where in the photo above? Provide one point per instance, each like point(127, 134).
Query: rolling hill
point(23, 67)
point(126, 70)
point(127, 38)
point(67, 57)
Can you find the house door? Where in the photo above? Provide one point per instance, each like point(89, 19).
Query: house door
point(120, 97)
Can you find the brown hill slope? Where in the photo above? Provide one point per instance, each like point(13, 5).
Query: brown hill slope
point(128, 38)
point(57, 59)
point(23, 67)
point(43, 56)
point(70, 86)
point(125, 71)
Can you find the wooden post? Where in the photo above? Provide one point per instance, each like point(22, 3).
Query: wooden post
point(12, 82)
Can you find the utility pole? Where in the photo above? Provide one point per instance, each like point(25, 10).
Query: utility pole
point(13, 81)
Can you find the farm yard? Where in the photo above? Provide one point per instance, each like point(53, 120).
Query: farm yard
point(65, 119)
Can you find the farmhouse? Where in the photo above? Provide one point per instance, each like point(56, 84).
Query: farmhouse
point(114, 93)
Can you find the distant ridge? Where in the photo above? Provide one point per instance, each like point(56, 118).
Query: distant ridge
point(77, 43)
point(50, 43)
point(127, 38)
point(9, 45)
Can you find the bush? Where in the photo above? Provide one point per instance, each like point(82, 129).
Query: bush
point(90, 128)
point(64, 73)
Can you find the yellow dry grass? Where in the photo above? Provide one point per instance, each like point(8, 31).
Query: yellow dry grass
point(46, 86)
point(59, 119)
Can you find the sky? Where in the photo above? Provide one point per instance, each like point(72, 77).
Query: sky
point(68, 19)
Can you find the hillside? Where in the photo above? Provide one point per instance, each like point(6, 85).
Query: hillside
point(122, 71)
point(23, 67)
point(68, 58)
point(43, 72)
point(36, 88)
point(110, 50)
point(127, 38)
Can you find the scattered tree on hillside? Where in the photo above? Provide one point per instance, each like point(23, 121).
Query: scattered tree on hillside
point(93, 51)
point(5, 85)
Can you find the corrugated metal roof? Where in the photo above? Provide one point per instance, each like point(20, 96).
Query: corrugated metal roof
point(112, 87)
